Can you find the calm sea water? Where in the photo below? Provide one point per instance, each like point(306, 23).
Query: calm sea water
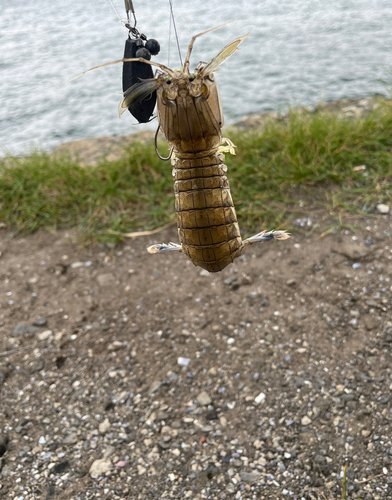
point(298, 51)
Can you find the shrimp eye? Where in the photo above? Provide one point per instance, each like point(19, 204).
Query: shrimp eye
point(191, 78)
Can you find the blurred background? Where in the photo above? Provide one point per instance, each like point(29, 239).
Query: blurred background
point(299, 52)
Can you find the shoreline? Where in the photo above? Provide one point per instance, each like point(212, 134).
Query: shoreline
point(89, 152)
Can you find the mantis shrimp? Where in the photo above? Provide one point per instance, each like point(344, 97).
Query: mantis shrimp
point(190, 116)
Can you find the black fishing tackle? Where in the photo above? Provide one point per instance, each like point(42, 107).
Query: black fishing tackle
point(137, 45)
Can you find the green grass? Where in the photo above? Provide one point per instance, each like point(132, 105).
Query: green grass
point(307, 159)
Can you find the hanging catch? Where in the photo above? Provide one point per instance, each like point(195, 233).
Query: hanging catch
point(190, 116)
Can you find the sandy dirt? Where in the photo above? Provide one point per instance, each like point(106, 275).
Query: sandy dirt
point(129, 375)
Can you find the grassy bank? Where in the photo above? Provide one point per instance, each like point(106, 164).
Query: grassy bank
point(306, 159)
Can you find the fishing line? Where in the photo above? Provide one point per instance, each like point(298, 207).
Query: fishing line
point(115, 10)
point(175, 30)
point(169, 44)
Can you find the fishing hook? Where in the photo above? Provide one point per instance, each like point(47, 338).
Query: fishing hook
point(156, 148)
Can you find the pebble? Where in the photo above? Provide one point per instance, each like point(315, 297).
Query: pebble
point(250, 477)
point(260, 398)
point(75, 265)
point(382, 208)
point(183, 361)
point(60, 467)
point(230, 280)
point(41, 322)
point(204, 399)
point(71, 438)
point(100, 467)
point(46, 334)
point(36, 366)
point(104, 426)
point(305, 420)
point(22, 328)
point(140, 469)
point(154, 387)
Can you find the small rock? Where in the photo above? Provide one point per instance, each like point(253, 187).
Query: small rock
point(22, 328)
point(257, 444)
point(260, 398)
point(370, 323)
point(108, 452)
point(212, 415)
point(164, 445)
point(250, 477)
point(116, 345)
point(75, 265)
point(223, 422)
point(104, 426)
point(305, 420)
point(230, 280)
point(100, 467)
point(204, 399)
point(350, 473)
point(36, 366)
point(183, 361)
point(44, 335)
point(320, 459)
point(382, 208)
point(154, 387)
point(291, 282)
point(60, 467)
point(106, 279)
point(71, 438)
point(40, 322)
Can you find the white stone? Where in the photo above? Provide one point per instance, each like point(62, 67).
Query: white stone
point(260, 398)
point(44, 335)
point(183, 361)
point(382, 208)
point(75, 265)
point(305, 420)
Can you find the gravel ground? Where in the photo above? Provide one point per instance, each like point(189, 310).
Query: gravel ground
point(128, 375)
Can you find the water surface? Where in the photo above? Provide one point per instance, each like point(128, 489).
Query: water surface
point(298, 51)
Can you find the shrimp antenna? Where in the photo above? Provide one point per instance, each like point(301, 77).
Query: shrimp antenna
point(175, 29)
